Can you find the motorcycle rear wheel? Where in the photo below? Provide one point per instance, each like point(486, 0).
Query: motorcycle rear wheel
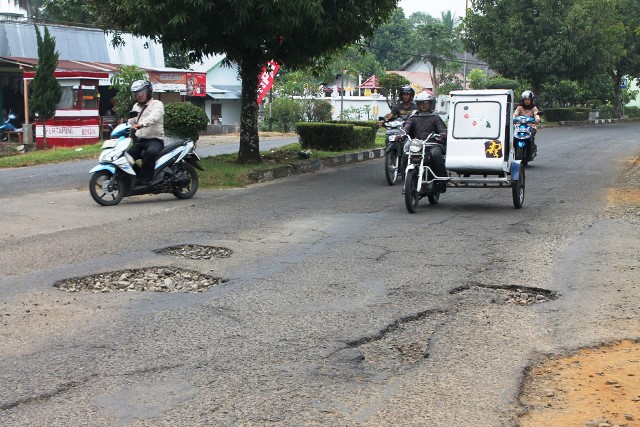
point(105, 188)
point(189, 190)
point(392, 168)
point(411, 196)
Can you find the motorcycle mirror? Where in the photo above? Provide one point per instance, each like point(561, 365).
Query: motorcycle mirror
point(381, 118)
point(540, 113)
point(133, 114)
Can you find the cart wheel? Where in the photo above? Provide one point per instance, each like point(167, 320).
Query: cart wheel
point(435, 194)
point(517, 190)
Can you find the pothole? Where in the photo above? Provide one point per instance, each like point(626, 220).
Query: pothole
point(152, 279)
point(401, 345)
point(512, 294)
point(196, 252)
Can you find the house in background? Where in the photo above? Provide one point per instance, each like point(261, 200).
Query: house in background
point(224, 94)
point(418, 72)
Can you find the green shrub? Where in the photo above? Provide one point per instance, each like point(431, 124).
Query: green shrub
point(319, 110)
point(606, 112)
point(501, 83)
point(335, 136)
point(559, 114)
point(632, 112)
point(581, 116)
point(184, 120)
point(286, 112)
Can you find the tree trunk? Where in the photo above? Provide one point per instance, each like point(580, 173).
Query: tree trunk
point(249, 140)
point(44, 134)
point(617, 96)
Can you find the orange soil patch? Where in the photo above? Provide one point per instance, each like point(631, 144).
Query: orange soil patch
point(596, 387)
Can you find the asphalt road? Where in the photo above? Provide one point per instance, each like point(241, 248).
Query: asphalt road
point(75, 175)
point(339, 309)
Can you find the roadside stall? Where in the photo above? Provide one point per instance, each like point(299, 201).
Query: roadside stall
point(77, 118)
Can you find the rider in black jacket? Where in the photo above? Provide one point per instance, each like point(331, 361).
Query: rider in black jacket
point(420, 125)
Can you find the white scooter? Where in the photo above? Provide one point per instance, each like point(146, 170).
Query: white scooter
point(116, 175)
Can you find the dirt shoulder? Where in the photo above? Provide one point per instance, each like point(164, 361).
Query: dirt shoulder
point(595, 387)
point(231, 137)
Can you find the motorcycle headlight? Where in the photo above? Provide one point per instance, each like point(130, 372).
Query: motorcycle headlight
point(415, 146)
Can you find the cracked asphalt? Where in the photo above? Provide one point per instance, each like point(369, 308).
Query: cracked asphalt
point(338, 307)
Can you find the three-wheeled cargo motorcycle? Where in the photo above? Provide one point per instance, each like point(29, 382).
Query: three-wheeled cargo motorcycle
point(480, 150)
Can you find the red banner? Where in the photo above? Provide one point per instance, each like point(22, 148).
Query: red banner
point(196, 84)
point(266, 79)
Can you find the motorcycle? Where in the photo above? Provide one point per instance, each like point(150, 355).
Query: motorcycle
point(394, 159)
point(8, 126)
point(420, 179)
point(116, 175)
point(523, 139)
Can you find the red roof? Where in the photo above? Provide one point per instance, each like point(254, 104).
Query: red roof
point(370, 83)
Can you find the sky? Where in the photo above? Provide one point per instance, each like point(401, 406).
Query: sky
point(433, 7)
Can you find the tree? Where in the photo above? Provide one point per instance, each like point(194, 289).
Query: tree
point(390, 42)
point(540, 40)
point(121, 82)
point(391, 84)
point(46, 91)
point(250, 32)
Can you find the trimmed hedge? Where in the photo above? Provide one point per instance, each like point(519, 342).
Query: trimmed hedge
point(184, 120)
point(335, 136)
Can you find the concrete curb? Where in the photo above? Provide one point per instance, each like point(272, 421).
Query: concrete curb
point(306, 166)
point(595, 122)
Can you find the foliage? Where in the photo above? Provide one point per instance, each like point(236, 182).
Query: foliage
point(544, 39)
point(391, 84)
point(477, 79)
point(185, 120)
point(501, 83)
point(335, 136)
point(176, 57)
point(390, 42)
point(286, 112)
point(294, 33)
point(67, 11)
point(318, 110)
point(46, 91)
point(437, 43)
point(121, 82)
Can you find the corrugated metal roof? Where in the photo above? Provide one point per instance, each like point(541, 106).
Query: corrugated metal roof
point(18, 40)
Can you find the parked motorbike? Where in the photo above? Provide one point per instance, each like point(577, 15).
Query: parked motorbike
point(9, 125)
point(523, 139)
point(394, 160)
point(420, 180)
point(116, 175)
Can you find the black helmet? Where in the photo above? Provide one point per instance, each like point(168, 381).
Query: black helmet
point(407, 89)
point(527, 94)
point(140, 85)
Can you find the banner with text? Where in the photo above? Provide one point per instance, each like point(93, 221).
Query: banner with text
point(266, 79)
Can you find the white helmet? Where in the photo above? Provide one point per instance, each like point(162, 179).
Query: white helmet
point(425, 97)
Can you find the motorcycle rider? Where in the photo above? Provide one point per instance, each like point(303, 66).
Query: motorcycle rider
point(149, 129)
point(527, 108)
point(405, 107)
point(421, 124)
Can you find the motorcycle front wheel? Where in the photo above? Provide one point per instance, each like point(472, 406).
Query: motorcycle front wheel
point(189, 190)
point(392, 167)
point(411, 196)
point(106, 188)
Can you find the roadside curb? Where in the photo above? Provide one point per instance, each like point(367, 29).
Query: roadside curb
point(595, 122)
point(307, 166)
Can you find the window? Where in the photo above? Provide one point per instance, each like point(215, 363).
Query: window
point(89, 98)
point(477, 120)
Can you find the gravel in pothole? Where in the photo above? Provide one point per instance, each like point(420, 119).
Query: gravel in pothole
point(196, 252)
point(152, 279)
point(516, 295)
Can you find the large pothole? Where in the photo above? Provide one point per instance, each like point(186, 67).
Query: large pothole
point(196, 252)
point(511, 294)
point(152, 279)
